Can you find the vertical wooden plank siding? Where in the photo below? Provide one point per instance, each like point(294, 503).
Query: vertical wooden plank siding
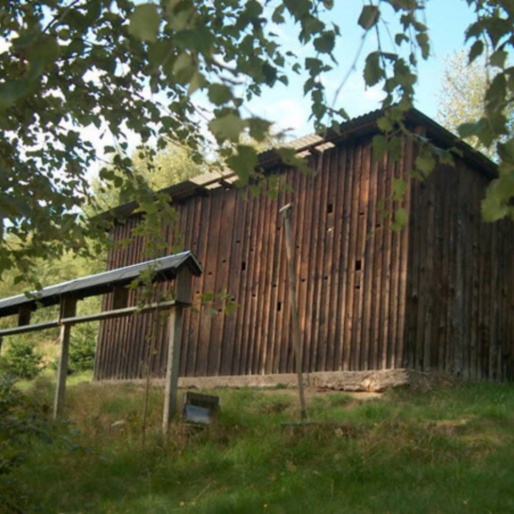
point(459, 319)
point(435, 296)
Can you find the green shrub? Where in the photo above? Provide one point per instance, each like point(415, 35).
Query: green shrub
point(27, 430)
point(23, 423)
point(22, 361)
point(82, 348)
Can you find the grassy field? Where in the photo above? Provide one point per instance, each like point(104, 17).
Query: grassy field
point(447, 450)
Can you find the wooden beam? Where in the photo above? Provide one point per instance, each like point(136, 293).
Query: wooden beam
point(120, 299)
point(182, 290)
point(68, 309)
point(182, 294)
point(29, 328)
point(24, 314)
point(90, 317)
point(121, 312)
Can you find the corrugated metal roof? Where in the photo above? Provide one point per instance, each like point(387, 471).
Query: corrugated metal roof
point(361, 125)
point(163, 268)
point(309, 139)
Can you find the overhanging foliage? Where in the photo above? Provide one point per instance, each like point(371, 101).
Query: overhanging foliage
point(73, 67)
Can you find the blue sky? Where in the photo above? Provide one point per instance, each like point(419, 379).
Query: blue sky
point(289, 109)
point(447, 21)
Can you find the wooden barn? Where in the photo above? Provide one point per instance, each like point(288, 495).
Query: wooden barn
point(437, 295)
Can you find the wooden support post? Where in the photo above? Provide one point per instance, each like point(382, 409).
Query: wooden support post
point(182, 296)
point(24, 315)
point(286, 212)
point(120, 297)
point(68, 308)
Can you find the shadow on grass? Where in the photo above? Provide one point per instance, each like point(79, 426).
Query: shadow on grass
point(447, 451)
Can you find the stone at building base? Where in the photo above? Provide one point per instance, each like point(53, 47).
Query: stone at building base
point(355, 381)
point(351, 381)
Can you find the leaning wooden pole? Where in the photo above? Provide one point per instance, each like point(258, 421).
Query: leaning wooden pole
point(286, 212)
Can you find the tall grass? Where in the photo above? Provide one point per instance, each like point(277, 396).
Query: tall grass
point(450, 450)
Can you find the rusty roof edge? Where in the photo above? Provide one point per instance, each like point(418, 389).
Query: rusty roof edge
point(359, 126)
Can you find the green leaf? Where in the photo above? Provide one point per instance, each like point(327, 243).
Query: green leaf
point(369, 16)
point(12, 207)
point(373, 71)
point(399, 5)
point(44, 52)
point(401, 217)
point(184, 68)
point(493, 206)
point(395, 148)
point(380, 146)
point(243, 163)
point(474, 30)
point(197, 81)
point(200, 39)
point(425, 163)
point(288, 155)
point(325, 43)
point(219, 94)
point(298, 8)
point(12, 91)
point(270, 74)
point(385, 124)
point(400, 38)
point(424, 44)
point(157, 52)
point(506, 150)
point(498, 58)
point(228, 127)
point(278, 14)
point(466, 130)
point(399, 189)
point(258, 128)
point(496, 95)
point(28, 36)
point(476, 50)
point(144, 22)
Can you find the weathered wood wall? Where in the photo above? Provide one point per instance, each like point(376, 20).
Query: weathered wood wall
point(460, 302)
point(438, 295)
point(351, 271)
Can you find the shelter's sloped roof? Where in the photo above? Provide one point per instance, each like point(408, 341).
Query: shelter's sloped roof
point(164, 268)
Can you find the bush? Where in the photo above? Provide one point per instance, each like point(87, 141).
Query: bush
point(23, 424)
point(82, 355)
point(22, 361)
point(82, 348)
